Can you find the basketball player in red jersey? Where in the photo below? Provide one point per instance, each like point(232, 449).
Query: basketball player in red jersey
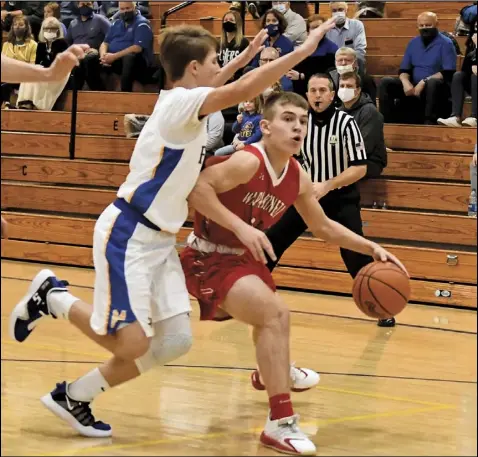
point(254, 187)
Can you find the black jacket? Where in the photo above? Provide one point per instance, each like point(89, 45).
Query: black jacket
point(45, 58)
point(370, 122)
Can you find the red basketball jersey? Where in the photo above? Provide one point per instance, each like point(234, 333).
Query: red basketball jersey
point(261, 202)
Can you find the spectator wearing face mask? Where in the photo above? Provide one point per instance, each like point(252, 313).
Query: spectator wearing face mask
point(321, 61)
point(233, 41)
point(20, 45)
point(276, 25)
point(348, 33)
point(296, 29)
point(422, 91)
point(52, 9)
point(91, 29)
point(346, 61)
point(111, 11)
point(370, 121)
point(41, 95)
point(33, 11)
point(128, 47)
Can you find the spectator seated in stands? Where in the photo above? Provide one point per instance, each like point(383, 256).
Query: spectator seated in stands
point(346, 60)
point(233, 41)
point(128, 47)
point(33, 11)
point(111, 10)
point(276, 25)
point(463, 81)
point(296, 29)
point(42, 96)
point(370, 121)
point(321, 61)
point(246, 127)
point(20, 45)
point(52, 9)
point(422, 92)
point(348, 33)
point(90, 28)
point(69, 11)
point(269, 55)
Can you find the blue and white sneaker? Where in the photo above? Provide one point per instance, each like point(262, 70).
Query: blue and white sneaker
point(33, 306)
point(76, 413)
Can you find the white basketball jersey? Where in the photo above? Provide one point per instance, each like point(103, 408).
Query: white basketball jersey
point(167, 158)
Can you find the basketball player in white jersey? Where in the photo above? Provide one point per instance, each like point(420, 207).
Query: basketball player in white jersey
point(141, 304)
point(15, 71)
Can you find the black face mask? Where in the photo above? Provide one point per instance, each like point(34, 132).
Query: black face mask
point(86, 11)
point(128, 16)
point(19, 33)
point(428, 34)
point(229, 27)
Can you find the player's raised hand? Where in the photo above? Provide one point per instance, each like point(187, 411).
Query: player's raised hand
point(256, 241)
point(317, 34)
point(66, 61)
point(255, 46)
point(382, 255)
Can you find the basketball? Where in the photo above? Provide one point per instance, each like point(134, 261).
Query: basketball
point(381, 290)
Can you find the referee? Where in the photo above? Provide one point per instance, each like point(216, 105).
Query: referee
point(334, 156)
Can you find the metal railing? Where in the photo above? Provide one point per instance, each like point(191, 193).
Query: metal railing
point(173, 10)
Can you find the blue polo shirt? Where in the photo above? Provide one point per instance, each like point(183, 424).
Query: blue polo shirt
point(138, 32)
point(282, 44)
point(91, 32)
point(423, 61)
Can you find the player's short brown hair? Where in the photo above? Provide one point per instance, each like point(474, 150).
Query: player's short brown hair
point(179, 46)
point(281, 99)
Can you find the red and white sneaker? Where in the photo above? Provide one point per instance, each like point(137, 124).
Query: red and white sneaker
point(284, 435)
point(302, 379)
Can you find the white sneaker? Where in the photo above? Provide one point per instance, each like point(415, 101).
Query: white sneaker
point(284, 435)
point(302, 379)
point(470, 122)
point(450, 122)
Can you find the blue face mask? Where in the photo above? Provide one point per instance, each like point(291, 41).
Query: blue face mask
point(273, 30)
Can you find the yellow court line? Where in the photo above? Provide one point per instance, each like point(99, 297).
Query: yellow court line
point(231, 433)
point(236, 373)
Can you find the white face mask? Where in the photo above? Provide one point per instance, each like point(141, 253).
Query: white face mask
point(281, 8)
point(346, 94)
point(340, 17)
point(50, 35)
point(341, 69)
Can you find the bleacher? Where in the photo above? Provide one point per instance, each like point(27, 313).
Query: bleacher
point(52, 202)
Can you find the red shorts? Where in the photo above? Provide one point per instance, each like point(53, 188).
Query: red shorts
point(209, 277)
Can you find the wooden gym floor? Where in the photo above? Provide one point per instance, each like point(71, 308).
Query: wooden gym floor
point(404, 391)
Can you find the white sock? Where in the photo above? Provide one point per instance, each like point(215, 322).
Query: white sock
point(88, 387)
point(60, 303)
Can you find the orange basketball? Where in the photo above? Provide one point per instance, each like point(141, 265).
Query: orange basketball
point(381, 290)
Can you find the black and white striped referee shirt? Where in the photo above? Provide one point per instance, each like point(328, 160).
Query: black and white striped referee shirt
point(330, 149)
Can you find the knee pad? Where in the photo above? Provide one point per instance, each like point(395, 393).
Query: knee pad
point(172, 339)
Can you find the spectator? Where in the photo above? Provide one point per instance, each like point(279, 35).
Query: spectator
point(111, 10)
point(473, 173)
point(233, 41)
point(464, 80)
point(347, 32)
point(52, 9)
point(90, 28)
point(321, 61)
point(20, 45)
point(276, 25)
point(42, 96)
point(33, 11)
point(269, 55)
point(370, 121)
point(69, 11)
point(426, 70)
point(246, 128)
point(296, 29)
point(346, 60)
point(128, 47)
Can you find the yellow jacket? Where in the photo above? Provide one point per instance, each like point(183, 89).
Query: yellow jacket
point(26, 52)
